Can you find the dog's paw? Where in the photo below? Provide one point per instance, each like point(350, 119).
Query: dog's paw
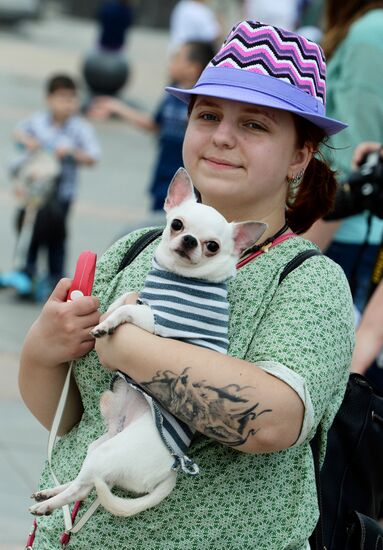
point(39, 496)
point(40, 510)
point(98, 332)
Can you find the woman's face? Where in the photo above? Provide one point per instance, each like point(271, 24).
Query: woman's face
point(239, 155)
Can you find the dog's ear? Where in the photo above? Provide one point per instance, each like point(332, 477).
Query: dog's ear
point(180, 190)
point(245, 234)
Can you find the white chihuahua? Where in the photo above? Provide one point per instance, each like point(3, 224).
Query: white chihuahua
point(184, 297)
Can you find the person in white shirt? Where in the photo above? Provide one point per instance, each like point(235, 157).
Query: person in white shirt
point(282, 13)
point(193, 20)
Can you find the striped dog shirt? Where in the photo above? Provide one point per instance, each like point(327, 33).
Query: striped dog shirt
point(192, 310)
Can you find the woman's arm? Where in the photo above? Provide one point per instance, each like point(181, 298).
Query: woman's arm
point(227, 399)
point(369, 335)
point(59, 335)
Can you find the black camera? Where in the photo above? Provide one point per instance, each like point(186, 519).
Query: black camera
point(363, 190)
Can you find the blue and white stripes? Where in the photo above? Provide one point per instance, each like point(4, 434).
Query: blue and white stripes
point(188, 309)
point(192, 310)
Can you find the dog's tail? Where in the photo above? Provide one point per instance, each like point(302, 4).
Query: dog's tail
point(132, 506)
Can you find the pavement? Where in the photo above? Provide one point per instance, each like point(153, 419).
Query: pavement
point(112, 196)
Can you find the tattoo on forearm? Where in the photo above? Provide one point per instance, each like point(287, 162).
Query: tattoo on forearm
point(219, 413)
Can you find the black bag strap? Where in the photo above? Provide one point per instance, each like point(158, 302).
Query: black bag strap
point(139, 245)
point(317, 538)
point(297, 261)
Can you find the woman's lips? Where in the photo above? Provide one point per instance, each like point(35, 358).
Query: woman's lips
point(220, 163)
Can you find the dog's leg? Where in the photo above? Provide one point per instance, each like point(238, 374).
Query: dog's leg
point(78, 489)
point(68, 492)
point(98, 442)
point(139, 315)
point(119, 302)
point(44, 494)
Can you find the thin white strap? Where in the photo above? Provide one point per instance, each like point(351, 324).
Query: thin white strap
point(84, 518)
point(69, 527)
point(52, 439)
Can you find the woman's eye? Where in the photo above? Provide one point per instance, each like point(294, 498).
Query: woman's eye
point(212, 246)
point(177, 225)
point(255, 125)
point(208, 116)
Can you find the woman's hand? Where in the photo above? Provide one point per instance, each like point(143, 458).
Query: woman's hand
point(59, 335)
point(61, 332)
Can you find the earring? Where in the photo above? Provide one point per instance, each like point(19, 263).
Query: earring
point(295, 180)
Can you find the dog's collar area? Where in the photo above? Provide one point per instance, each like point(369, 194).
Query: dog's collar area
point(264, 247)
point(264, 244)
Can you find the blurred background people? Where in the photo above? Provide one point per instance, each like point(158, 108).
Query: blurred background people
point(60, 130)
point(106, 67)
point(169, 121)
point(282, 13)
point(369, 336)
point(353, 45)
point(193, 20)
point(115, 18)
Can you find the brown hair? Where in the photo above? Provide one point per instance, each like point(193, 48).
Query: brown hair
point(339, 16)
point(314, 196)
point(60, 82)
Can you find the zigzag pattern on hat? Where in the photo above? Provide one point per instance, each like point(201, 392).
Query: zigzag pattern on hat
point(265, 49)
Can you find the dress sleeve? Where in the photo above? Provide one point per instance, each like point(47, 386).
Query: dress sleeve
point(306, 337)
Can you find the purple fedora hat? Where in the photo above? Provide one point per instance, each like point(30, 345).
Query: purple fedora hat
point(269, 66)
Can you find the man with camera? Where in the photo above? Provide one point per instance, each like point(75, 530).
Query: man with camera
point(362, 194)
point(364, 189)
point(356, 224)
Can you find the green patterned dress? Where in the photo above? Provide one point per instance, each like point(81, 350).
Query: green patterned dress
point(302, 331)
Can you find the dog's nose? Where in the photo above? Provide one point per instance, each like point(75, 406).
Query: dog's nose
point(189, 242)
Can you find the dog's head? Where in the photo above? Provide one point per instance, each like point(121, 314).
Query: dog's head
point(197, 240)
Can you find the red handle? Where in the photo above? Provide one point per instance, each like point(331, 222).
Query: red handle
point(84, 276)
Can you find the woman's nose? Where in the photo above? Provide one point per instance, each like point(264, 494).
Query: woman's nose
point(224, 135)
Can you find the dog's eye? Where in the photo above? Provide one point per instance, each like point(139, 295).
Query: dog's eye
point(177, 225)
point(212, 246)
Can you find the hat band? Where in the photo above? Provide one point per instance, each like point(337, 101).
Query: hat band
point(257, 82)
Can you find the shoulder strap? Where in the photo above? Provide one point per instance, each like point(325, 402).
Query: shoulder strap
point(317, 537)
point(138, 246)
point(297, 261)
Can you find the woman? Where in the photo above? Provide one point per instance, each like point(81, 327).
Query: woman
point(249, 146)
point(353, 44)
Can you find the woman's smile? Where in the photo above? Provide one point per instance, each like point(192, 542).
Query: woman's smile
point(219, 163)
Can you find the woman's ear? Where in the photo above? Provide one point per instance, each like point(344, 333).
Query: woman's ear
point(300, 160)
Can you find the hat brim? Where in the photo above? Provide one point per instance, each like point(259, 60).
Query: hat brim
point(229, 90)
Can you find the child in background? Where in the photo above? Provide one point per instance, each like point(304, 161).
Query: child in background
point(72, 140)
point(170, 119)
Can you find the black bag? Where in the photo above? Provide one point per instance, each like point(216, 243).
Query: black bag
point(351, 479)
point(350, 484)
